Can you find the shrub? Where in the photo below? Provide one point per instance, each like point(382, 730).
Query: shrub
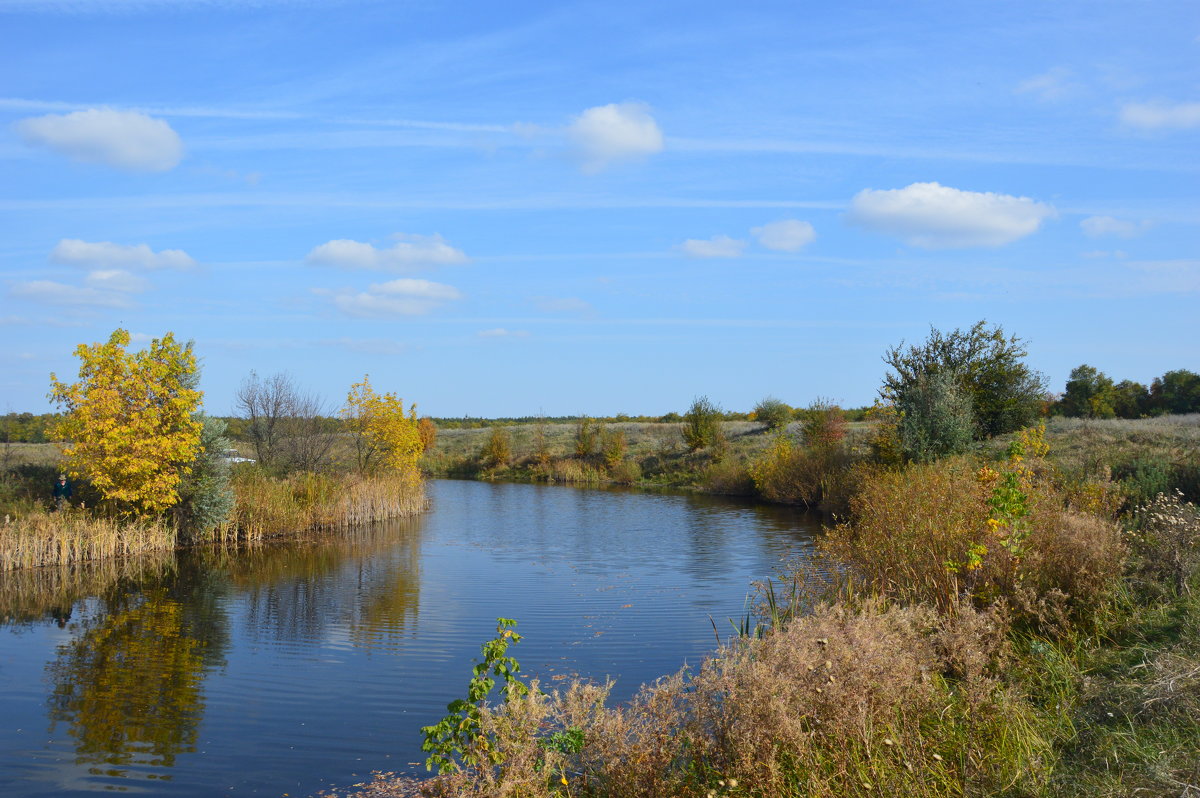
point(949, 531)
point(497, 452)
point(936, 419)
point(847, 701)
point(428, 432)
point(585, 437)
point(1005, 393)
point(773, 413)
point(824, 425)
point(613, 446)
point(702, 424)
point(205, 495)
point(728, 477)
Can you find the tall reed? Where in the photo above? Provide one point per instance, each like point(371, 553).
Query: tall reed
point(41, 538)
point(267, 506)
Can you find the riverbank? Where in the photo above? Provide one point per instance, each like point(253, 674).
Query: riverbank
point(1144, 457)
point(989, 636)
point(264, 506)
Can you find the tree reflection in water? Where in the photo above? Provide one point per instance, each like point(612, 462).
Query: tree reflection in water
point(129, 688)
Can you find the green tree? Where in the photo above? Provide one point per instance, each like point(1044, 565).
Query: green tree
point(935, 418)
point(1130, 399)
point(1005, 393)
point(129, 421)
point(702, 424)
point(772, 412)
point(205, 495)
point(1176, 392)
point(1090, 394)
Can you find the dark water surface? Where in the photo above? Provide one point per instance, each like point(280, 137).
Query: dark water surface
point(290, 668)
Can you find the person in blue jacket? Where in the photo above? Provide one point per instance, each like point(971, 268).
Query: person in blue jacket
point(62, 492)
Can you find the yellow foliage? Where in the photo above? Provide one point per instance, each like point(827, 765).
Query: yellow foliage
point(388, 437)
point(128, 421)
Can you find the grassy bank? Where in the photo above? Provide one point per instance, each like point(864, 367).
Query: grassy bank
point(986, 635)
point(33, 535)
point(1142, 457)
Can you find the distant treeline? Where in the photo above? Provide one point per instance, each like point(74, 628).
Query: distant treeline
point(1090, 393)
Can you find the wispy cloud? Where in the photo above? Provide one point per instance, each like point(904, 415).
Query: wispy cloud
point(502, 332)
point(402, 297)
point(23, 104)
point(121, 139)
point(566, 304)
point(51, 293)
point(1161, 115)
point(787, 235)
point(934, 216)
point(1049, 86)
point(411, 251)
point(720, 246)
point(1100, 226)
point(126, 256)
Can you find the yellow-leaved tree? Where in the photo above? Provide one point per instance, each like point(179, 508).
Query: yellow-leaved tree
point(128, 422)
point(386, 435)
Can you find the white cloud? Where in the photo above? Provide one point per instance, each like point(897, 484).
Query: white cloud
point(1161, 116)
point(935, 216)
point(788, 235)
point(402, 297)
point(1049, 86)
point(613, 133)
point(501, 332)
point(116, 280)
point(715, 247)
point(52, 293)
point(408, 253)
point(1098, 226)
point(124, 139)
point(106, 253)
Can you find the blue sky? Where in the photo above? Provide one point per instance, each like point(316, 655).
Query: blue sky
point(506, 209)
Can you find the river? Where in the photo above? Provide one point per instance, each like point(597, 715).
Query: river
point(290, 668)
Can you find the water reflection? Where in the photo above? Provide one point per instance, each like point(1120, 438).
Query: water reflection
point(366, 582)
point(129, 686)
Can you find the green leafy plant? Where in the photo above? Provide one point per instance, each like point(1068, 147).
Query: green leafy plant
point(702, 424)
point(459, 735)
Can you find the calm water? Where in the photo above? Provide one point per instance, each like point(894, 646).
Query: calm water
point(288, 669)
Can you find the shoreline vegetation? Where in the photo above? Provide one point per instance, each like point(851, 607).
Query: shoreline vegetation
point(264, 507)
point(999, 605)
point(142, 468)
point(997, 625)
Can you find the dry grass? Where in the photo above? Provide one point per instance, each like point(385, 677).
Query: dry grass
point(914, 531)
point(269, 506)
point(843, 702)
point(74, 536)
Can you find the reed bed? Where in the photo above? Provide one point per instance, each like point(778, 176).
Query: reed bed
point(41, 538)
point(268, 506)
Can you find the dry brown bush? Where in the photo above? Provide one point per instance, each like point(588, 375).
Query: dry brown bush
point(868, 700)
point(915, 529)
